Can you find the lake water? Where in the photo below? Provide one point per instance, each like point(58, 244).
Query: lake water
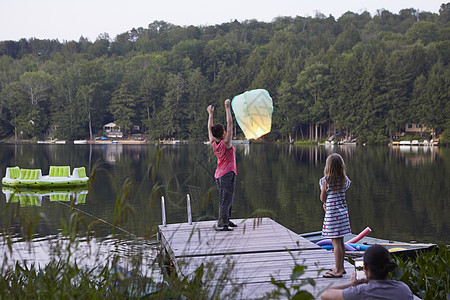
point(401, 194)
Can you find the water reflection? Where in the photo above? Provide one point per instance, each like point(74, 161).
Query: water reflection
point(90, 254)
point(402, 195)
point(415, 156)
point(243, 149)
point(33, 197)
point(112, 152)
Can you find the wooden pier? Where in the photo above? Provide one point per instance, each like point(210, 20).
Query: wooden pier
point(248, 256)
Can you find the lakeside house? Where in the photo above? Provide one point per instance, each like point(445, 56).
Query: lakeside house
point(111, 130)
point(414, 128)
point(421, 130)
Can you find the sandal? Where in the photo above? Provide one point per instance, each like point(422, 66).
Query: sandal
point(331, 270)
point(332, 275)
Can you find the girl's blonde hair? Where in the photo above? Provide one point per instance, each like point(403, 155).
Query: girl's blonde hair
point(335, 171)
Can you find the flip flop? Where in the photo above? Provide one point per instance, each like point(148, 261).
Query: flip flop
point(331, 275)
point(331, 270)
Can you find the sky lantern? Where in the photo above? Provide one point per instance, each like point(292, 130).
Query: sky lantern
point(253, 111)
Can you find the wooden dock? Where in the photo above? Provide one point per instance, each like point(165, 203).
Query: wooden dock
point(248, 256)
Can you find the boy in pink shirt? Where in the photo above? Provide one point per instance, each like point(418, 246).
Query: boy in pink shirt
point(225, 175)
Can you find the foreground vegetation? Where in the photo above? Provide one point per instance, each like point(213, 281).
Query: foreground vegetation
point(428, 274)
point(130, 275)
point(359, 75)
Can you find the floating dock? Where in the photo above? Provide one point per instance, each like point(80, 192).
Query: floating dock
point(245, 259)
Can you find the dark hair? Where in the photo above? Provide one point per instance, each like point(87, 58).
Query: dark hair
point(217, 130)
point(379, 262)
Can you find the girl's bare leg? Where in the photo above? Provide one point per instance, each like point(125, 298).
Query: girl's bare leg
point(339, 252)
point(343, 255)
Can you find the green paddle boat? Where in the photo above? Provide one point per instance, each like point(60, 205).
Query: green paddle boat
point(59, 176)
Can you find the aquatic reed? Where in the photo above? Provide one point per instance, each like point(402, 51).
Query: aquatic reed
point(79, 266)
point(427, 274)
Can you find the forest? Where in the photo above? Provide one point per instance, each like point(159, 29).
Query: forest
point(360, 76)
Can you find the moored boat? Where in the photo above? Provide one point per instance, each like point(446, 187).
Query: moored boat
point(59, 176)
point(79, 142)
point(395, 247)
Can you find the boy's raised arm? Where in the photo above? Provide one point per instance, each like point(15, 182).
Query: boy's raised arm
point(210, 110)
point(228, 136)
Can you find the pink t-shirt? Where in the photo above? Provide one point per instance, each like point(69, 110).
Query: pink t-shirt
point(226, 160)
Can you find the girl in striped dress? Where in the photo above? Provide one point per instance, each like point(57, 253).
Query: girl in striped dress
point(336, 223)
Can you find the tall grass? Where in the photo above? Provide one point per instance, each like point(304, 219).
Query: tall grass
point(294, 289)
point(427, 274)
point(80, 266)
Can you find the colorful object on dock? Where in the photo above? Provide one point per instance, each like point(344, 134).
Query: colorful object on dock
point(358, 247)
point(330, 247)
point(399, 248)
point(350, 245)
point(362, 234)
point(253, 110)
point(396, 249)
point(59, 176)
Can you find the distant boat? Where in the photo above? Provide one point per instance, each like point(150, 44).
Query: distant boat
point(60, 142)
point(240, 141)
point(170, 142)
point(349, 143)
point(80, 142)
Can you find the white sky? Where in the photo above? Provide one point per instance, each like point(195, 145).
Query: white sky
point(67, 20)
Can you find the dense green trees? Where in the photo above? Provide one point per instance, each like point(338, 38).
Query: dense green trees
point(360, 75)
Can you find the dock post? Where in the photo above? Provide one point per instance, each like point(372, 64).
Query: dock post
point(163, 207)
point(188, 198)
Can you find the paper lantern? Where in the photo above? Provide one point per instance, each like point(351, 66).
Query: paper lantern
point(253, 111)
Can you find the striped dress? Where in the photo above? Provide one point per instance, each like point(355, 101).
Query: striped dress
point(336, 222)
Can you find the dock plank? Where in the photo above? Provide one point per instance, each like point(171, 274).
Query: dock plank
point(250, 236)
point(249, 256)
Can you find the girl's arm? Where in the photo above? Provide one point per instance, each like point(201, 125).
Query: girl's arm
point(323, 192)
